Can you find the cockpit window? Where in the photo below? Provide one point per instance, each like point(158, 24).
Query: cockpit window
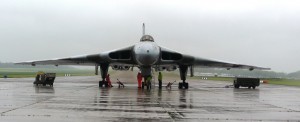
point(147, 38)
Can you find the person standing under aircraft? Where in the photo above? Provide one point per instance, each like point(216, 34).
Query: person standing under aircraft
point(159, 80)
point(139, 78)
point(108, 81)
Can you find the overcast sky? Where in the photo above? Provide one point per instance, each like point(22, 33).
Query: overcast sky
point(256, 32)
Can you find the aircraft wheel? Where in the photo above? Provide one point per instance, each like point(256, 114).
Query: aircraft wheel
point(180, 85)
point(186, 85)
point(100, 83)
point(148, 85)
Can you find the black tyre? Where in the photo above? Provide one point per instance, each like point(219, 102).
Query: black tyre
point(180, 85)
point(186, 85)
point(249, 87)
point(253, 87)
point(100, 83)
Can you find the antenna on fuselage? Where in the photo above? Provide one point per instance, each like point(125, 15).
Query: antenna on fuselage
point(143, 29)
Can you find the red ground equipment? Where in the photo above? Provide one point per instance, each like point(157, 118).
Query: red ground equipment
point(120, 83)
point(170, 84)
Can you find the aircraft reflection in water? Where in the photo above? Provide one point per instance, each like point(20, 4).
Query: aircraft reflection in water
point(139, 97)
point(146, 55)
point(186, 101)
point(101, 99)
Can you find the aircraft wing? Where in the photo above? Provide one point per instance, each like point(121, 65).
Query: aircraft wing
point(89, 60)
point(120, 57)
point(174, 58)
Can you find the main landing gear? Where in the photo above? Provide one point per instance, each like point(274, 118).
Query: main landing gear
point(104, 71)
point(183, 73)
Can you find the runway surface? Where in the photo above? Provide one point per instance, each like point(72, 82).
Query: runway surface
point(77, 99)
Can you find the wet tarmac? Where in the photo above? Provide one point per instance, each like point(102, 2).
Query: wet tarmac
point(77, 99)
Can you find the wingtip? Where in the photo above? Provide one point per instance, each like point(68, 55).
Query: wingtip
point(262, 68)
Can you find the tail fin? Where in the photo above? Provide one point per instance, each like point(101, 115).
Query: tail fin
point(143, 29)
point(146, 37)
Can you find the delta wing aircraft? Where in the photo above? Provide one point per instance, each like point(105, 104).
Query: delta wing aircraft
point(145, 55)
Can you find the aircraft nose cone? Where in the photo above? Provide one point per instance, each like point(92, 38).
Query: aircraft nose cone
point(146, 54)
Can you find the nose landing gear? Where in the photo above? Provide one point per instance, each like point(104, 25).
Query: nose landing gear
point(147, 82)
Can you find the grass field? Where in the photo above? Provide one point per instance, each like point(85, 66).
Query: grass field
point(31, 72)
point(287, 82)
point(277, 81)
